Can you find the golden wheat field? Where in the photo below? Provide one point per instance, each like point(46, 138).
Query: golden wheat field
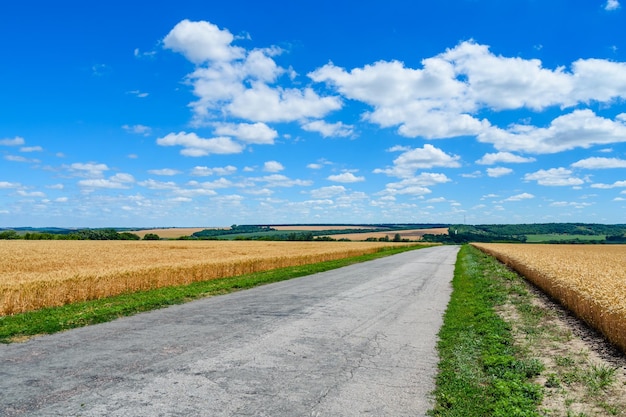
point(590, 280)
point(36, 274)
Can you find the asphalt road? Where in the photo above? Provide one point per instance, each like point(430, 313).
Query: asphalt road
point(356, 341)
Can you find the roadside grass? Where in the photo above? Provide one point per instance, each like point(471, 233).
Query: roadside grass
point(19, 327)
point(481, 371)
point(550, 364)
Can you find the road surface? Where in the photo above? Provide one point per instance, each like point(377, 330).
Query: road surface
point(356, 341)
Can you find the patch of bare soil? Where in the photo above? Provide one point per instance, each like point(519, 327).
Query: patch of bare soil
point(584, 374)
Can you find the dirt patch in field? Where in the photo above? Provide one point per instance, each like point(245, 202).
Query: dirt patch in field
point(584, 374)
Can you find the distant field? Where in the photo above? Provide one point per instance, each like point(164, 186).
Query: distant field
point(171, 232)
point(321, 227)
point(559, 237)
point(412, 234)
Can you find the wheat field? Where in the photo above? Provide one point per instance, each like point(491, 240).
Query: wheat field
point(37, 274)
point(590, 280)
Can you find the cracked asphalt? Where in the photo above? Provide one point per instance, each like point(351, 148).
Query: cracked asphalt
point(356, 341)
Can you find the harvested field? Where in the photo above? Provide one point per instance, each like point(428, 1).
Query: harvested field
point(589, 280)
point(413, 234)
point(171, 232)
point(321, 227)
point(37, 274)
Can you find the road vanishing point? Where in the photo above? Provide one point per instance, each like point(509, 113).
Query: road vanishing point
point(355, 341)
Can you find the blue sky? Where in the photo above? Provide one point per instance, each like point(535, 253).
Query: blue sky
point(205, 113)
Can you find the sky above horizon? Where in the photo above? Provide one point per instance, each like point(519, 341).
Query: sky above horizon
point(197, 113)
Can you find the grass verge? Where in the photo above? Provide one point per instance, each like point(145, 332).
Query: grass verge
point(51, 320)
point(481, 371)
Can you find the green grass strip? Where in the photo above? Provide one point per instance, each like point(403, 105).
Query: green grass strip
point(481, 373)
point(56, 319)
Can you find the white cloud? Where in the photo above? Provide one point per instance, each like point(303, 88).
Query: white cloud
point(475, 174)
point(420, 158)
point(17, 158)
point(231, 80)
point(498, 172)
point(201, 171)
point(138, 93)
point(6, 184)
point(158, 185)
point(600, 163)
point(579, 129)
point(611, 5)
point(273, 166)
point(345, 177)
point(265, 104)
point(16, 141)
point(196, 146)
point(616, 184)
point(253, 133)
point(444, 97)
point(212, 185)
point(416, 186)
point(102, 183)
point(277, 180)
point(557, 177)
point(503, 157)
point(575, 204)
point(202, 41)
point(31, 193)
point(520, 197)
point(337, 129)
point(89, 169)
point(164, 172)
point(328, 192)
point(138, 129)
point(31, 149)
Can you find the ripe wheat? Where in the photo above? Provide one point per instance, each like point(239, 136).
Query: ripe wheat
point(590, 280)
point(37, 274)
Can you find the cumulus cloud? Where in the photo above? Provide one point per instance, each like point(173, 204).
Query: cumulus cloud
point(201, 42)
point(498, 172)
point(443, 98)
point(16, 141)
point(273, 166)
point(328, 192)
point(88, 169)
point(416, 186)
point(278, 180)
point(554, 177)
point(138, 129)
point(234, 81)
point(202, 171)
point(420, 158)
point(616, 184)
point(337, 129)
point(520, 197)
point(195, 146)
point(600, 163)
point(164, 172)
point(578, 129)
point(253, 133)
point(503, 157)
point(6, 184)
point(345, 177)
point(611, 5)
point(117, 181)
